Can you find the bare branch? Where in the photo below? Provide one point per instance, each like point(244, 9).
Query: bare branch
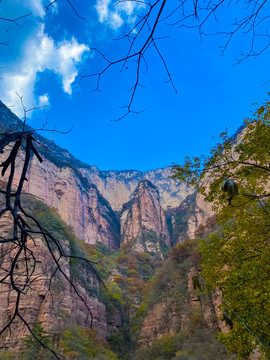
point(19, 270)
point(16, 19)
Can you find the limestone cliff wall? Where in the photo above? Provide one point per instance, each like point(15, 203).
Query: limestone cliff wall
point(183, 314)
point(202, 212)
point(143, 220)
point(79, 203)
point(118, 186)
point(84, 196)
point(49, 299)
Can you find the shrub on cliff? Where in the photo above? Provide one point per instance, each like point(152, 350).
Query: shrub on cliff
point(34, 349)
point(84, 344)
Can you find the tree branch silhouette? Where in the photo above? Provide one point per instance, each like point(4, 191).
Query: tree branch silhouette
point(144, 34)
point(18, 261)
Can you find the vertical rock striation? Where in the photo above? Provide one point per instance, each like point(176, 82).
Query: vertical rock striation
point(88, 200)
point(84, 196)
point(49, 299)
point(79, 203)
point(118, 186)
point(143, 220)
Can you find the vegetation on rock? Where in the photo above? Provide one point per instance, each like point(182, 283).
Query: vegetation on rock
point(235, 258)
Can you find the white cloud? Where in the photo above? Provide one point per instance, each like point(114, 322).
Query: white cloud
point(41, 53)
point(36, 6)
point(129, 6)
point(54, 8)
point(102, 8)
point(43, 100)
point(116, 21)
point(116, 13)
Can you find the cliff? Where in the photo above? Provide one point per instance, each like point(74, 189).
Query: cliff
point(49, 299)
point(118, 186)
point(143, 220)
point(63, 182)
point(78, 203)
point(126, 211)
point(179, 319)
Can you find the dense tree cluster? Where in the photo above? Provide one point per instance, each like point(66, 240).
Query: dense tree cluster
point(235, 258)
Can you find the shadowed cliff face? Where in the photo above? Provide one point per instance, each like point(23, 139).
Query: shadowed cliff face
point(78, 203)
point(88, 200)
point(49, 299)
point(86, 197)
point(143, 220)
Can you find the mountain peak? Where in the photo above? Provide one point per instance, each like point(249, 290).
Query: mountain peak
point(143, 221)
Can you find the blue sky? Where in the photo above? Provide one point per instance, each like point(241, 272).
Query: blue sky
point(47, 49)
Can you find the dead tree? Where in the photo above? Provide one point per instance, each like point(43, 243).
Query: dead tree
point(17, 274)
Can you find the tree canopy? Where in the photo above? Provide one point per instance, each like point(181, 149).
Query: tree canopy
point(235, 258)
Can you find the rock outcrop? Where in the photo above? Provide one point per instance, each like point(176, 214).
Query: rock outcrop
point(49, 298)
point(171, 316)
point(85, 197)
point(78, 203)
point(143, 220)
point(91, 202)
point(191, 218)
point(118, 186)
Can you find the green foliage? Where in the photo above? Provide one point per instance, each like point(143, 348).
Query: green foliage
point(115, 291)
point(182, 251)
point(164, 348)
point(126, 295)
point(102, 249)
point(200, 345)
point(7, 355)
point(120, 342)
point(235, 258)
point(34, 349)
point(170, 280)
point(84, 344)
point(115, 302)
point(137, 320)
point(51, 221)
point(237, 261)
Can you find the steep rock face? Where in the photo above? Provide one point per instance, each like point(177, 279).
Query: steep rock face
point(63, 182)
point(78, 203)
point(50, 299)
point(185, 314)
point(188, 218)
point(202, 212)
point(143, 220)
point(118, 186)
point(53, 304)
point(154, 325)
point(171, 318)
point(66, 184)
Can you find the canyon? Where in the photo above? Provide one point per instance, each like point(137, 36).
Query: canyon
point(139, 215)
